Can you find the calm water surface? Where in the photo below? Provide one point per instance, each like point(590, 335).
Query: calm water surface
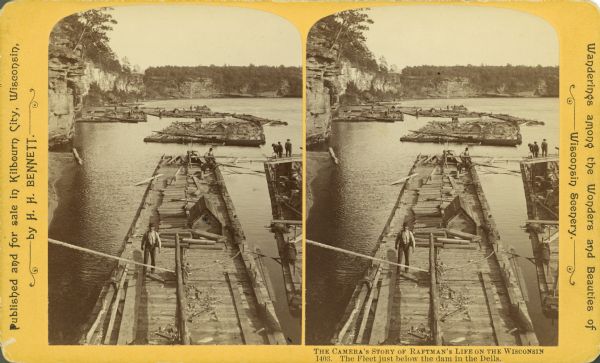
point(98, 201)
point(353, 201)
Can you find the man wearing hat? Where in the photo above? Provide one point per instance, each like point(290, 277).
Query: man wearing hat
point(150, 242)
point(406, 241)
point(544, 148)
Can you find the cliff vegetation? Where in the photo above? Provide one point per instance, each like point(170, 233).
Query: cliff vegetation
point(223, 81)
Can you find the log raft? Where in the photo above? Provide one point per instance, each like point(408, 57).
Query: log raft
point(486, 131)
point(466, 292)
point(540, 181)
point(217, 294)
point(284, 180)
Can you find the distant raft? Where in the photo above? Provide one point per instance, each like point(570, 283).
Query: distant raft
point(483, 131)
point(219, 131)
point(369, 113)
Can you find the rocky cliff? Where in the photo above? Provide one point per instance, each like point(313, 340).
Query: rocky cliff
point(70, 79)
point(331, 81)
point(322, 92)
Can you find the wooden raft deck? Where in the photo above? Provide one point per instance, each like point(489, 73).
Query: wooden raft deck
point(540, 182)
point(281, 177)
point(222, 295)
point(462, 290)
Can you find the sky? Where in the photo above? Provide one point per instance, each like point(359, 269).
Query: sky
point(460, 35)
point(189, 35)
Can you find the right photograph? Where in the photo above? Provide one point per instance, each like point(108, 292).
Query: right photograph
point(432, 174)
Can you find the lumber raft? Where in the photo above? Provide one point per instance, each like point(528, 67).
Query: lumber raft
point(217, 294)
point(540, 182)
point(468, 292)
point(284, 181)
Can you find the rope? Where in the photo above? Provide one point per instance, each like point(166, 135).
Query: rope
point(361, 255)
point(214, 264)
point(465, 265)
point(87, 250)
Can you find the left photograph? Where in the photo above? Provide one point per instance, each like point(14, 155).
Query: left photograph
point(174, 177)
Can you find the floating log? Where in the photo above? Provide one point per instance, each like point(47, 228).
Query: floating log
point(76, 156)
point(148, 180)
point(403, 179)
point(332, 154)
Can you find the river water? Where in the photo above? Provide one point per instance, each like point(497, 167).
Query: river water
point(351, 202)
point(97, 202)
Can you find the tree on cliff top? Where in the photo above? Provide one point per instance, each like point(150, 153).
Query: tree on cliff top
point(344, 33)
point(88, 32)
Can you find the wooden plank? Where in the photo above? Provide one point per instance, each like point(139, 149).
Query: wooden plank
point(126, 333)
point(248, 335)
point(114, 308)
point(487, 288)
point(542, 221)
point(287, 221)
point(404, 179)
point(105, 303)
point(380, 327)
point(367, 308)
point(184, 335)
point(461, 234)
point(435, 320)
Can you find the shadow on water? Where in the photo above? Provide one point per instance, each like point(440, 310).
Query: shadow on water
point(352, 201)
point(97, 202)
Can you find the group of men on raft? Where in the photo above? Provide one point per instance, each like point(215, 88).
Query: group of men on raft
point(278, 149)
point(534, 149)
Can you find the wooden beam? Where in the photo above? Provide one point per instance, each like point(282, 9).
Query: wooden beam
point(148, 180)
point(547, 209)
point(404, 179)
point(114, 308)
point(105, 302)
point(381, 321)
point(248, 335)
point(435, 319)
point(284, 160)
point(540, 160)
point(367, 308)
point(541, 221)
point(126, 333)
point(184, 336)
point(491, 303)
point(287, 221)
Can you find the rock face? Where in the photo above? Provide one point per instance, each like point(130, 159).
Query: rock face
point(327, 79)
point(69, 80)
point(65, 91)
point(322, 92)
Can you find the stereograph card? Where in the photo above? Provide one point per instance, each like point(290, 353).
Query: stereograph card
point(196, 181)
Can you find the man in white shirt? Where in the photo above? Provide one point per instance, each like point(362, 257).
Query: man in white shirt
point(406, 241)
point(150, 242)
